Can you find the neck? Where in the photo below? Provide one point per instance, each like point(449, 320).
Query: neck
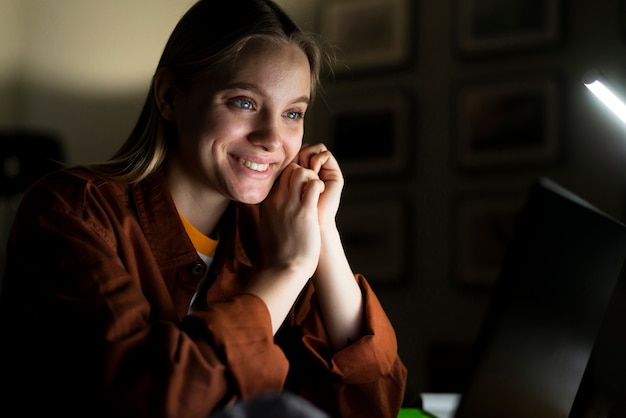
point(203, 217)
point(201, 207)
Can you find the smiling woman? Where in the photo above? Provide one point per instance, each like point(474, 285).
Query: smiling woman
point(201, 265)
point(237, 135)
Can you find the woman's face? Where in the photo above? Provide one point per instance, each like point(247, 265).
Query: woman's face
point(236, 138)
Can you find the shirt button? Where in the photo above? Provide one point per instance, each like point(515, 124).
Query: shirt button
point(197, 269)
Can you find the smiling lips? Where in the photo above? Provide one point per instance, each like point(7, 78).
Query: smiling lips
point(253, 166)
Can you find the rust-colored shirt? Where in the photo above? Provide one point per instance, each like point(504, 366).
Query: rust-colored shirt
point(94, 315)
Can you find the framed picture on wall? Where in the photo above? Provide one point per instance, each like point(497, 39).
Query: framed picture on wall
point(486, 26)
point(369, 135)
point(375, 237)
point(368, 35)
point(507, 123)
point(483, 227)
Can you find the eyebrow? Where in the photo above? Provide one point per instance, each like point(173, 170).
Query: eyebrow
point(248, 86)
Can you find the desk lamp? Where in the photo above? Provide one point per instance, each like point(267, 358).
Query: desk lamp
point(598, 85)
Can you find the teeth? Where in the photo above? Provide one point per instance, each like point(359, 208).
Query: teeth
point(253, 166)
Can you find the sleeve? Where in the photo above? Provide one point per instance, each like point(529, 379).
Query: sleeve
point(240, 330)
point(366, 378)
point(93, 330)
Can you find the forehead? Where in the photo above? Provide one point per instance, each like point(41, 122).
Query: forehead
point(268, 65)
point(271, 62)
point(271, 54)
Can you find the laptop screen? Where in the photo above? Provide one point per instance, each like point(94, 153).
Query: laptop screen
point(555, 283)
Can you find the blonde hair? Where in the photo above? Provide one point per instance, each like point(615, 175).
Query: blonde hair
point(205, 42)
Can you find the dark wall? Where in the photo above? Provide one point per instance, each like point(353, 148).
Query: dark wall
point(445, 144)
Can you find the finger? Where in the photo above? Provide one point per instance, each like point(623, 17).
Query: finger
point(311, 192)
point(325, 164)
point(298, 178)
point(307, 153)
point(323, 159)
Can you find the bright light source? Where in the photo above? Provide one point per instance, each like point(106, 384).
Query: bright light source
point(598, 86)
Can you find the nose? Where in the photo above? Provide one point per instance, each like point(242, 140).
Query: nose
point(266, 132)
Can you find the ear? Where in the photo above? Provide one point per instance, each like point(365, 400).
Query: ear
point(164, 92)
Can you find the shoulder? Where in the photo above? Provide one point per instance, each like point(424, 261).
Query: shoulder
point(72, 190)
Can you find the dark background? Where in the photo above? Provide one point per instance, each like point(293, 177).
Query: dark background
point(80, 70)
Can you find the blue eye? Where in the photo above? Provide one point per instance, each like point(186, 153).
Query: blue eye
point(244, 103)
point(295, 115)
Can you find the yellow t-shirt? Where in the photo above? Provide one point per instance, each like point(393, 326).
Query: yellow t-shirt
point(205, 247)
point(203, 244)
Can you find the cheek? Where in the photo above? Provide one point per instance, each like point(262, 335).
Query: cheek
point(292, 149)
point(291, 153)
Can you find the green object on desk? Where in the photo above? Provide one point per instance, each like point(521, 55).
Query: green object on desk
point(414, 413)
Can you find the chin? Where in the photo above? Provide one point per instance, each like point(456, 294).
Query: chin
point(249, 201)
point(251, 198)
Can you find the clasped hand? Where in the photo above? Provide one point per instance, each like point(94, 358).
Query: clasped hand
point(301, 205)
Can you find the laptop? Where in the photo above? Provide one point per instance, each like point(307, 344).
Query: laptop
point(556, 280)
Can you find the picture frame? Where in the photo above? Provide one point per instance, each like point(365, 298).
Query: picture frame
point(507, 123)
point(483, 228)
point(370, 134)
point(375, 238)
point(367, 35)
point(500, 26)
